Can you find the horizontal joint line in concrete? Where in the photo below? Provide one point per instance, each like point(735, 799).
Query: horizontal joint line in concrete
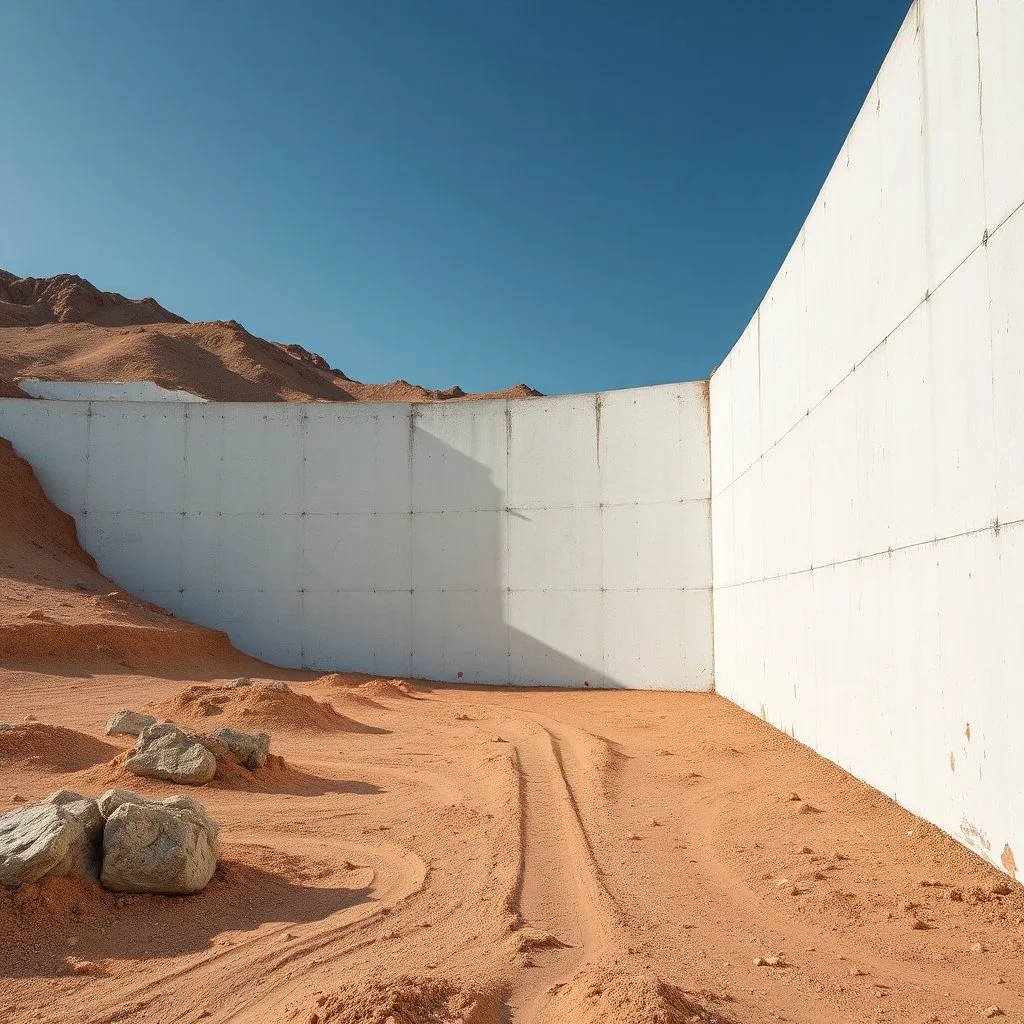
point(932, 542)
point(875, 348)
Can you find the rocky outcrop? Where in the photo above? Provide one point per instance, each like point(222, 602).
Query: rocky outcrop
point(168, 847)
point(166, 752)
point(129, 723)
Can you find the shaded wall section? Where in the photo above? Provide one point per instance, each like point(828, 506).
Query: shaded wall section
point(553, 541)
point(868, 444)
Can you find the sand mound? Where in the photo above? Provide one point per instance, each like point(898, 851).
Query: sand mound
point(403, 1000)
point(394, 689)
point(263, 704)
point(54, 603)
point(52, 747)
point(597, 996)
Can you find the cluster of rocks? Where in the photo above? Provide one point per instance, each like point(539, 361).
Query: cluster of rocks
point(121, 840)
point(165, 751)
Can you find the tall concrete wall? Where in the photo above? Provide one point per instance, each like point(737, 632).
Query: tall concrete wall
point(556, 541)
point(868, 444)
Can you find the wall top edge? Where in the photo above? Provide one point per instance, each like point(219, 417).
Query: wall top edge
point(693, 389)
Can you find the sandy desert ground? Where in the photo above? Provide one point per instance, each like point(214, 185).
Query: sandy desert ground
point(446, 854)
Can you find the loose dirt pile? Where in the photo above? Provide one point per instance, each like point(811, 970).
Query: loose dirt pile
point(267, 705)
point(403, 1000)
point(390, 689)
point(62, 328)
point(51, 748)
point(601, 995)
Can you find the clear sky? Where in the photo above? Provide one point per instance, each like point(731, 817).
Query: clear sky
point(574, 194)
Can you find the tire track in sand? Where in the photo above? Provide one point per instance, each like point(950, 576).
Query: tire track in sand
point(567, 914)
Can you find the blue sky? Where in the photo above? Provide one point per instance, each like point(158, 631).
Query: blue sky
point(574, 194)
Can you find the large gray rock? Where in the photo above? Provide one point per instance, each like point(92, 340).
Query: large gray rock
point(250, 749)
point(129, 723)
point(83, 857)
point(166, 752)
point(168, 847)
point(60, 836)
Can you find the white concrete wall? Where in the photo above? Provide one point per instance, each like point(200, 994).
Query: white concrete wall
point(868, 444)
point(555, 541)
point(103, 391)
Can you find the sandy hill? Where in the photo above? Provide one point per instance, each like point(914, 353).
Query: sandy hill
point(55, 604)
point(63, 328)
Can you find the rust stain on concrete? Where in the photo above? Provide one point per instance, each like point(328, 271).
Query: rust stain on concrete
point(952, 761)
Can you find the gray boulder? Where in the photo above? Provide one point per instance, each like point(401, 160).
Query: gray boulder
point(60, 836)
point(166, 752)
point(233, 684)
point(168, 847)
point(250, 749)
point(129, 723)
point(83, 857)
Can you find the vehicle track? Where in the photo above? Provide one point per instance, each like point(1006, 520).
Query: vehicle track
point(567, 914)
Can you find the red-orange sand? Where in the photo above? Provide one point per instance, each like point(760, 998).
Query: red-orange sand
point(465, 855)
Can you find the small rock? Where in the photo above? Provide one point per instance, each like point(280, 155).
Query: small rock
point(931, 883)
point(82, 966)
point(462, 718)
point(234, 684)
point(977, 947)
point(794, 797)
point(498, 739)
point(30, 718)
point(17, 798)
point(129, 723)
point(250, 749)
point(633, 836)
point(856, 972)
point(804, 808)
point(771, 961)
point(1002, 887)
point(277, 684)
point(72, 940)
point(806, 849)
point(917, 925)
point(992, 1011)
point(956, 895)
point(654, 823)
